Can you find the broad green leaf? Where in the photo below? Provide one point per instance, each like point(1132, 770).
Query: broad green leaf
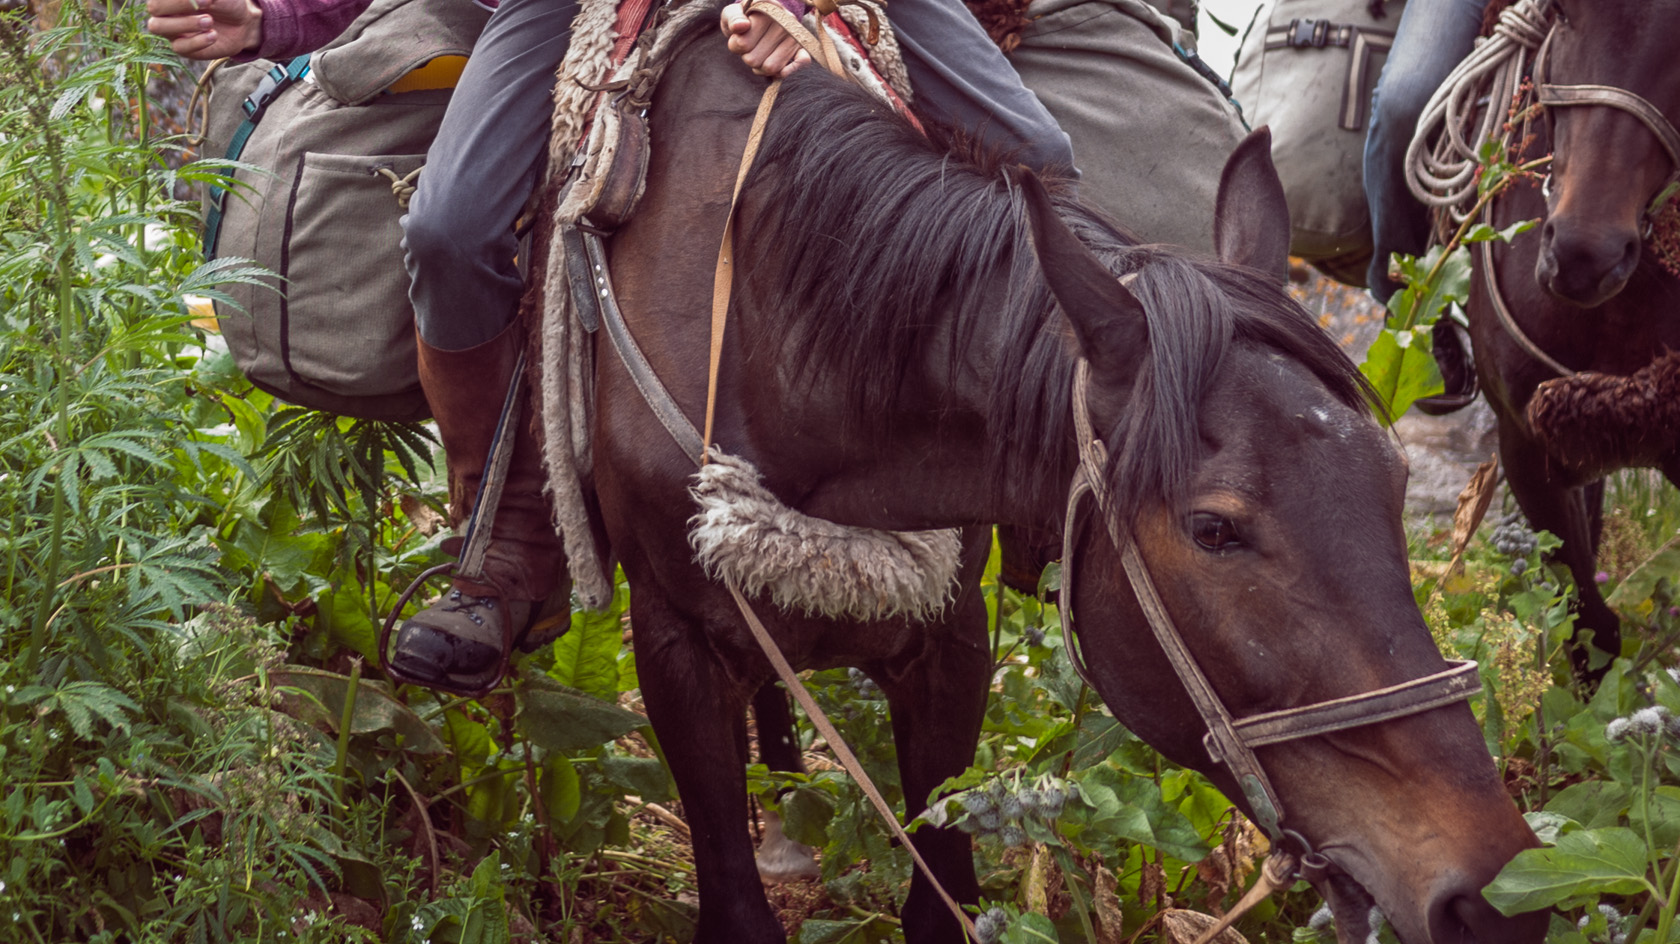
point(1640, 586)
point(469, 740)
point(1483, 232)
point(1664, 811)
point(560, 719)
point(1030, 928)
point(806, 812)
point(344, 614)
point(1588, 862)
point(561, 792)
point(871, 930)
point(375, 709)
point(1592, 803)
point(1401, 368)
point(643, 776)
point(487, 922)
point(1131, 808)
point(586, 657)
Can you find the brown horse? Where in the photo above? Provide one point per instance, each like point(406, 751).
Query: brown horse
point(1585, 287)
point(901, 354)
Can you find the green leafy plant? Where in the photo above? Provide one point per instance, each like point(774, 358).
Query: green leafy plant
point(1399, 363)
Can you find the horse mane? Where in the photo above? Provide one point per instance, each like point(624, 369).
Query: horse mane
point(893, 229)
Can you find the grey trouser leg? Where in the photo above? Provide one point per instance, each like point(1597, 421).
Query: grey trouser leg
point(1434, 36)
point(480, 171)
point(959, 77)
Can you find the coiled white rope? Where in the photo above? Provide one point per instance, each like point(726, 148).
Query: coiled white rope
point(1442, 160)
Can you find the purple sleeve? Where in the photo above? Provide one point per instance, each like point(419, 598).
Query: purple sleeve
point(294, 27)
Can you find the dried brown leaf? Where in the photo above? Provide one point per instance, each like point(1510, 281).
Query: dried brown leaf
point(1180, 926)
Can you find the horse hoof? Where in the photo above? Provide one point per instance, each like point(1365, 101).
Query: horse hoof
point(781, 860)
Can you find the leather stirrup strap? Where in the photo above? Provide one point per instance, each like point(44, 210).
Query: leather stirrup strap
point(483, 516)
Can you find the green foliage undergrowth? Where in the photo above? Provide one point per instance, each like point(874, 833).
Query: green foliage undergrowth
point(196, 743)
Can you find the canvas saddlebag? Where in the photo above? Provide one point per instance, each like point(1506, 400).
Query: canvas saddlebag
point(1306, 68)
point(337, 138)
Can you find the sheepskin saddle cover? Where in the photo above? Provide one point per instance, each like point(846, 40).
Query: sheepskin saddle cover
point(744, 535)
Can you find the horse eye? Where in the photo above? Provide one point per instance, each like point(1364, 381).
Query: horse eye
point(1214, 532)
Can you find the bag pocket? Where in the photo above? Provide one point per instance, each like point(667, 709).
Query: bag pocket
point(346, 325)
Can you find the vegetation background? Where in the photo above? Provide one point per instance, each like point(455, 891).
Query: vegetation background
point(195, 744)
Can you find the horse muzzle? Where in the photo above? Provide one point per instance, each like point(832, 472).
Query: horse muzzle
point(1452, 911)
point(1585, 264)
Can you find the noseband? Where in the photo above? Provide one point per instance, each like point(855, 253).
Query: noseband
point(1559, 96)
point(1230, 741)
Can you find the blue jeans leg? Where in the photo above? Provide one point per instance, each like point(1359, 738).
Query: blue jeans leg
point(1434, 36)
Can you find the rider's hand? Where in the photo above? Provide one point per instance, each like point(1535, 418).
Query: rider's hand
point(206, 29)
point(761, 42)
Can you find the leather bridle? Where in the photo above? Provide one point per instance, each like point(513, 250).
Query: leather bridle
point(1553, 95)
point(1230, 741)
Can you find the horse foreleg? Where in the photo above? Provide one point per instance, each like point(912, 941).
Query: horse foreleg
point(938, 700)
point(1576, 515)
point(700, 716)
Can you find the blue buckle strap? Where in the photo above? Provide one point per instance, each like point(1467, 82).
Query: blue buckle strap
point(281, 76)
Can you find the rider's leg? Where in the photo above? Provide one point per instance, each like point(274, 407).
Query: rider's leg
point(461, 255)
point(961, 78)
point(1434, 36)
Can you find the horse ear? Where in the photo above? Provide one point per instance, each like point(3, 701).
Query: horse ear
point(1107, 319)
point(1251, 218)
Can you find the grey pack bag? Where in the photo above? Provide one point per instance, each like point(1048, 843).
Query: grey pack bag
point(1306, 69)
point(338, 152)
point(1150, 133)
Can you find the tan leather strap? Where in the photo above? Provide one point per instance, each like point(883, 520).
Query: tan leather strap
point(819, 46)
point(847, 759)
point(483, 517)
point(1383, 704)
point(722, 285)
point(723, 279)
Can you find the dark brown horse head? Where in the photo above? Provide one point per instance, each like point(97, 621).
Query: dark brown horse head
point(1272, 528)
point(1608, 164)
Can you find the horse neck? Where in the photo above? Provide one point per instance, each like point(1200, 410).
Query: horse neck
point(935, 454)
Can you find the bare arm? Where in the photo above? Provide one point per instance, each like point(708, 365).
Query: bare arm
point(760, 43)
point(275, 29)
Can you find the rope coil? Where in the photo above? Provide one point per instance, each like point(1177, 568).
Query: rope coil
point(1442, 159)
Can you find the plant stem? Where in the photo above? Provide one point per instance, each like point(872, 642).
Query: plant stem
point(346, 719)
point(1470, 220)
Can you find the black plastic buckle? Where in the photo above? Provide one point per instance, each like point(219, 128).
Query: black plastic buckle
point(1309, 33)
point(276, 80)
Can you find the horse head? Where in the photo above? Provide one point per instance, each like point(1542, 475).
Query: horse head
point(1608, 75)
point(1250, 478)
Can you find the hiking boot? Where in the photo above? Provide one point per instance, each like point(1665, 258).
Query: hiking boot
point(462, 642)
point(1458, 371)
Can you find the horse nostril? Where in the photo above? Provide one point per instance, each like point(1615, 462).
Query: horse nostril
point(1465, 917)
point(1455, 923)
